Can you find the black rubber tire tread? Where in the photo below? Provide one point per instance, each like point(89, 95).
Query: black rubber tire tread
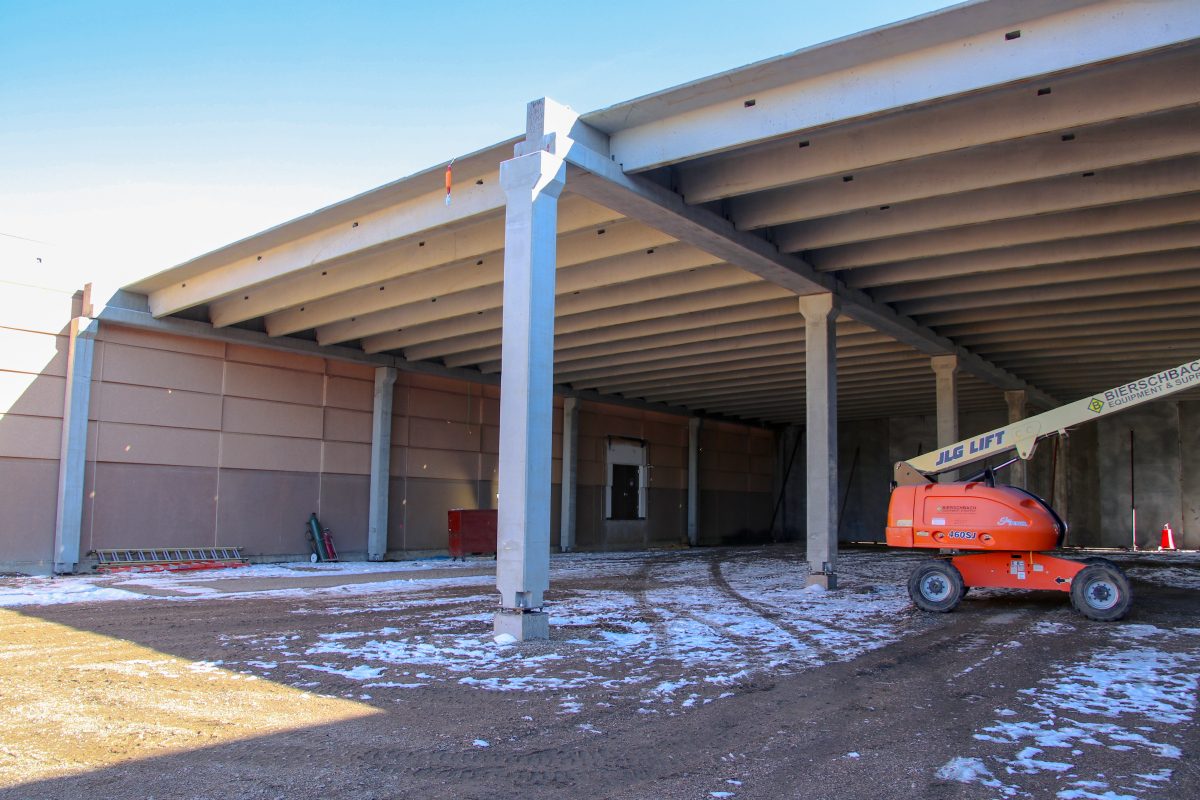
point(1115, 578)
point(1104, 562)
point(929, 569)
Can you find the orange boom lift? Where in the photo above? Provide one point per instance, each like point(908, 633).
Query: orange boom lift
point(999, 534)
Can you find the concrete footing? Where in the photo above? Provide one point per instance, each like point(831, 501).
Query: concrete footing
point(523, 625)
point(826, 580)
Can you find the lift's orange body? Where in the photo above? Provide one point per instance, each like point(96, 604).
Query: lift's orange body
point(1004, 528)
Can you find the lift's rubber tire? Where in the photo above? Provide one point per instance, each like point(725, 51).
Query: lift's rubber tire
point(1104, 562)
point(936, 586)
point(1101, 593)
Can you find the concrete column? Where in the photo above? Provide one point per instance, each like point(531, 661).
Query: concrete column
point(946, 369)
point(693, 482)
point(1018, 409)
point(72, 456)
point(381, 463)
point(820, 412)
point(570, 466)
point(531, 184)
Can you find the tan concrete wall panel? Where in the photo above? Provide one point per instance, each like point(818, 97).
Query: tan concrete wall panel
point(346, 458)
point(348, 369)
point(266, 512)
point(300, 362)
point(35, 353)
point(350, 393)
point(443, 405)
point(155, 340)
point(759, 483)
point(734, 462)
point(399, 397)
point(251, 452)
point(31, 395)
point(489, 467)
point(169, 370)
point(762, 443)
point(148, 444)
point(668, 477)
point(30, 437)
point(490, 440)
point(591, 473)
point(443, 435)
point(490, 409)
point(427, 507)
point(243, 415)
point(399, 463)
point(436, 383)
point(662, 455)
point(762, 465)
point(270, 383)
point(399, 431)
point(345, 500)
point(657, 432)
point(28, 496)
point(139, 505)
point(342, 425)
point(34, 309)
point(444, 464)
point(146, 405)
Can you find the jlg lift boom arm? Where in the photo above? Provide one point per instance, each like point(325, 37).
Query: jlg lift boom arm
point(1024, 435)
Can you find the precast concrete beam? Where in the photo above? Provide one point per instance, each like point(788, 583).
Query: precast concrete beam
point(1042, 275)
point(469, 242)
point(820, 420)
point(381, 459)
point(1067, 225)
point(985, 206)
point(1162, 82)
point(1160, 284)
point(1094, 250)
point(1103, 146)
point(371, 230)
point(600, 178)
point(1145, 303)
point(955, 53)
point(664, 307)
point(477, 348)
point(532, 184)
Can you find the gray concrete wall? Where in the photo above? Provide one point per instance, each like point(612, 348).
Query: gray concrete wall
point(1091, 487)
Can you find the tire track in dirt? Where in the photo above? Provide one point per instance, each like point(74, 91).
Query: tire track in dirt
point(774, 616)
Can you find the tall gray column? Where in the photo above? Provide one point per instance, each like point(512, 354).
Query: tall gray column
point(820, 413)
point(570, 466)
point(532, 183)
point(946, 370)
point(72, 457)
point(381, 463)
point(1018, 409)
point(693, 482)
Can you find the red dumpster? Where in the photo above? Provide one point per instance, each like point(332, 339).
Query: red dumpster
point(472, 531)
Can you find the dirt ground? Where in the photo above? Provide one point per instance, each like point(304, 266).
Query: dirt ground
point(246, 692)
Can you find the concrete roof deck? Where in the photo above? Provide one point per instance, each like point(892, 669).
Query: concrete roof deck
point(1018, 184)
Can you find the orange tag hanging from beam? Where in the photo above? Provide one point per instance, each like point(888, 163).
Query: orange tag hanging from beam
point(449, 180)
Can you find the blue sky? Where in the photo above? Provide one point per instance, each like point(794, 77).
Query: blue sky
point(136, 135)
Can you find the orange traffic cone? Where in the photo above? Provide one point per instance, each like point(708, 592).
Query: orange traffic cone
point(1168, 538)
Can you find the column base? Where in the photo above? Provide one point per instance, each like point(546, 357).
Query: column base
point(826, 580)
point(523, 625)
